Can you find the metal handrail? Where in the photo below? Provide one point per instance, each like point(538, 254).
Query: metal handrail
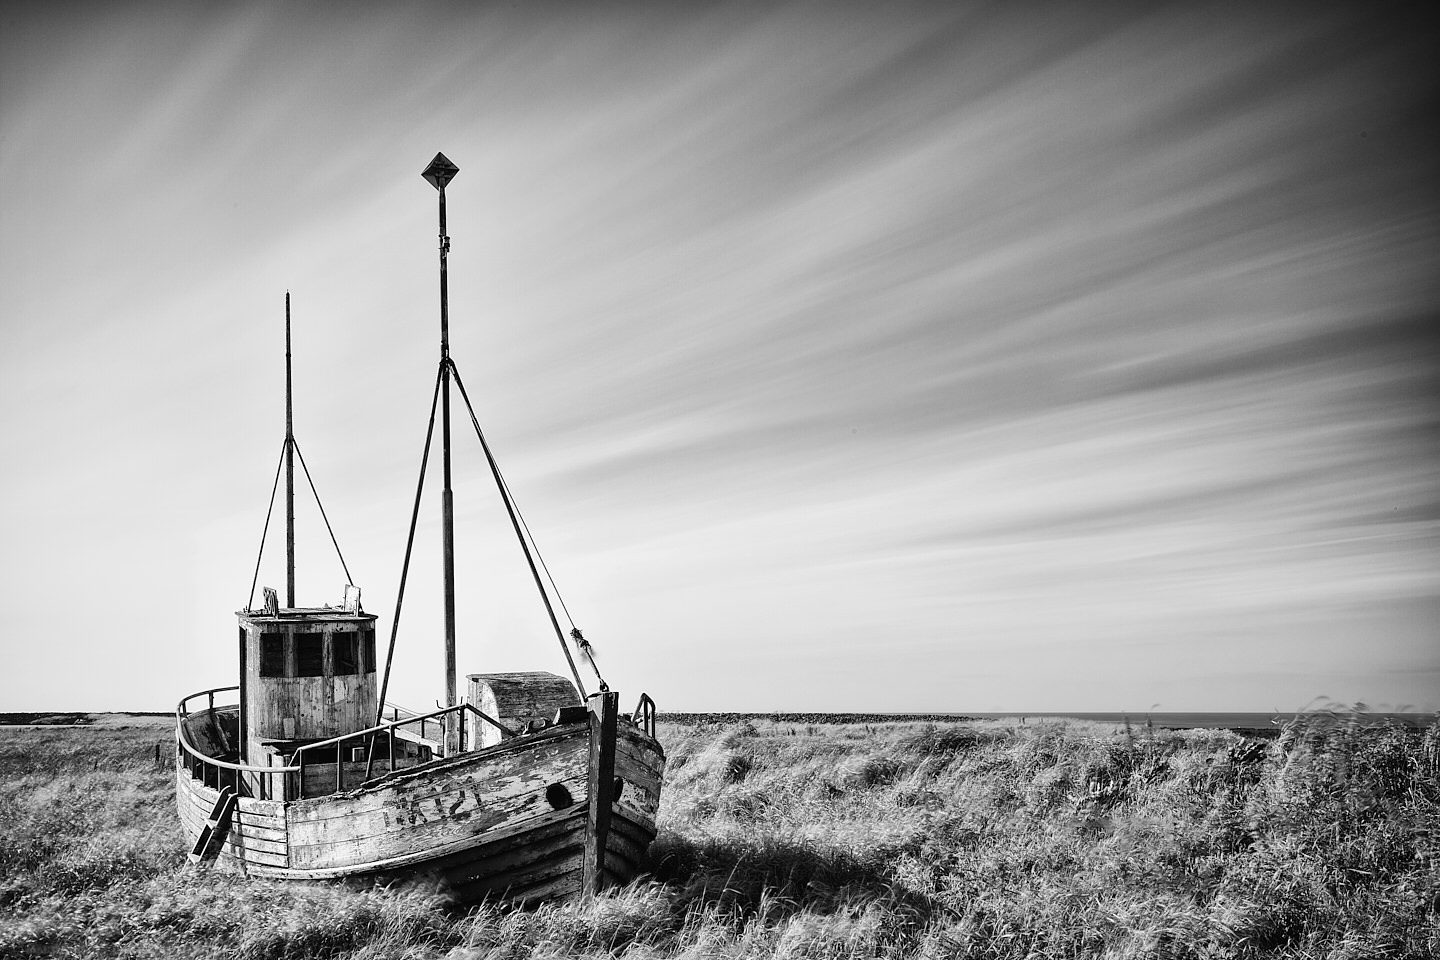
point(379, 728)
point(200, 764)
point(384, 728)
point(398, 712)
point(644, 715)
point(181, 714)
point(299, 758)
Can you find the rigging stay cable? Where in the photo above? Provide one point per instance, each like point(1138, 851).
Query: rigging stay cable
point(584, 646)
point(269, 511)
point(265, 532)
point(348, 579)
point(587, 651)
point(405, 564)
point(512, 510)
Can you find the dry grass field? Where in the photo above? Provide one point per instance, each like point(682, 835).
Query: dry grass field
point(1056, 839)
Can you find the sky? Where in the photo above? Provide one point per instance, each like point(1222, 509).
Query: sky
point(841, 357)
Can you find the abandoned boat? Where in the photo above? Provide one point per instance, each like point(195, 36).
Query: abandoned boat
point(527, 789)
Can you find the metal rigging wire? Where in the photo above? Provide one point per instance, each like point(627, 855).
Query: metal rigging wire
point(265, 532)
point(348, 579)
point(515, 521)
point(409, 544)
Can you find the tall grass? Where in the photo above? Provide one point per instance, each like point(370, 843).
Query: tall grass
point(977, 839)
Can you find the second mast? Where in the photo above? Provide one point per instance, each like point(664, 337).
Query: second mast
point(440, 172)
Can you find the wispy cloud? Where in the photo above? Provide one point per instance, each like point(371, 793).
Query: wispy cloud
point(1045, 357)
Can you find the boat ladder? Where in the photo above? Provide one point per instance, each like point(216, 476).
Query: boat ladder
point(216, 825)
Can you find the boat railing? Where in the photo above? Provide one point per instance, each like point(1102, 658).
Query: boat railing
point(247, 778)
point(644, 715)
point(371, 735)
point(395, 713)
point(222, 773)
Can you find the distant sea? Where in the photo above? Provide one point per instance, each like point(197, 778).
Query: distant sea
point(1262, 723)
point(1216, 721)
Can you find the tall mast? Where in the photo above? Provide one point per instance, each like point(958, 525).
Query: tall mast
point(440, 172)
point(289, 471)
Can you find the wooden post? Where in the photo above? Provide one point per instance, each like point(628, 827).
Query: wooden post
point(604, 708)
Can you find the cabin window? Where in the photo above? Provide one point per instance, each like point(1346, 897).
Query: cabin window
point(272, 655)
point(367, 650)
point(309, 655)
point(346, 647)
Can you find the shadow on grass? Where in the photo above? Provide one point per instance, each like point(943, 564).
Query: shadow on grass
point(778, 878)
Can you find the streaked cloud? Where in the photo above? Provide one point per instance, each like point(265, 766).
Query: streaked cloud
point(935, 357)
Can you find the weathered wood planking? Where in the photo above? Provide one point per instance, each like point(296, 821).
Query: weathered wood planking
point(263, 813)
point(457, 856)
point(257, 831)
point(235, 845)
point(533, 884)
point(515, 699)
point(641, 764)
point(433, 785)
point(306, 707)
point(551, 842)
point(545, 885)
point(627, 848)
point(320, 777)
point(537, 855)
point(207, 734)
point(540, 853)
point(439, 803)
point(318, 707)
point(240, 835)
point(480, 821)
point(438, 773)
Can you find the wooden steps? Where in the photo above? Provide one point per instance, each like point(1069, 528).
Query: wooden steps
point(216, 825)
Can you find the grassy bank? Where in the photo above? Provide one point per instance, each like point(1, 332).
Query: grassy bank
point(1057, 839)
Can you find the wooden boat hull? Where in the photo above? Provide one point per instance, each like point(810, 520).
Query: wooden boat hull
point(512, 821)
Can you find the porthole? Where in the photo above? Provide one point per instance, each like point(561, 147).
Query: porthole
point(559, 796)
point(619, 789)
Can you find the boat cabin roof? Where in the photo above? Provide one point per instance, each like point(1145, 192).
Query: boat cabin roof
point(305, 615)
